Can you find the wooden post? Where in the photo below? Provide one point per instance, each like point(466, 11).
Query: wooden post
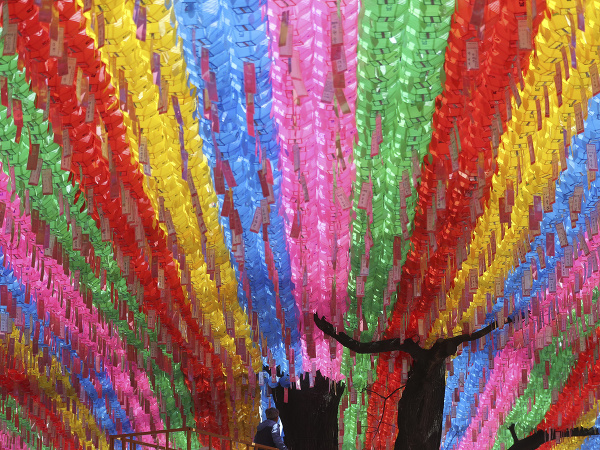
point(111, 443)
point(189, 439)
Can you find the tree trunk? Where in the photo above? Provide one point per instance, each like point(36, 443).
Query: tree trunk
point(310, 416)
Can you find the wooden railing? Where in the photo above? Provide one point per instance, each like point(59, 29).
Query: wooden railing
point(130, 442)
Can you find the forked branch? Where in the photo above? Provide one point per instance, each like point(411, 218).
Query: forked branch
point(449, 345)
point(540, 437)
point(388, 345)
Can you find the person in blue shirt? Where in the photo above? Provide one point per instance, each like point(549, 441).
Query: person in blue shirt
point(267, 432)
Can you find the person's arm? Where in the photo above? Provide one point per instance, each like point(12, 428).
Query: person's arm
point(388, 345)
point(277, 437)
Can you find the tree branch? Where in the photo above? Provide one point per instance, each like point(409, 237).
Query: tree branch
point(385, 399)
point(478, 334)
point(540, 437)
point(268, 370)
point(388, 345)
point(511, 428)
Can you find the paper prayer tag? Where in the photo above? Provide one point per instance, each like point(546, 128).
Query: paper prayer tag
point(256, 221)
point(34, 153)
point(595, 79)
point(10, 39)
point(342, 199)
point(592, 157)
point(328, 90)
point(337, 32)
point(364, 196)
point(524, 33)
point(34, 177)
point(579, 124)
point(562, 235)
point(472, 49)
point(47, 188)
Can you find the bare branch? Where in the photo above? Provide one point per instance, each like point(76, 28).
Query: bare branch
point(268, 370)
point(371, 391)
point(385, 399)
point(458, 340)
point(540, 437)
point(388, 345)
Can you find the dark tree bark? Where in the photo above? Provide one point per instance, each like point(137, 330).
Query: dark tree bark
point(310, 416)
point(540, 437)
point(421, 407)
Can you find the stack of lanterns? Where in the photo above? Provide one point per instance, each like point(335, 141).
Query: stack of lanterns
point(184, 184)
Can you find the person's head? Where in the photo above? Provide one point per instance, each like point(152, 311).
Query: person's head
point(272, 414)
